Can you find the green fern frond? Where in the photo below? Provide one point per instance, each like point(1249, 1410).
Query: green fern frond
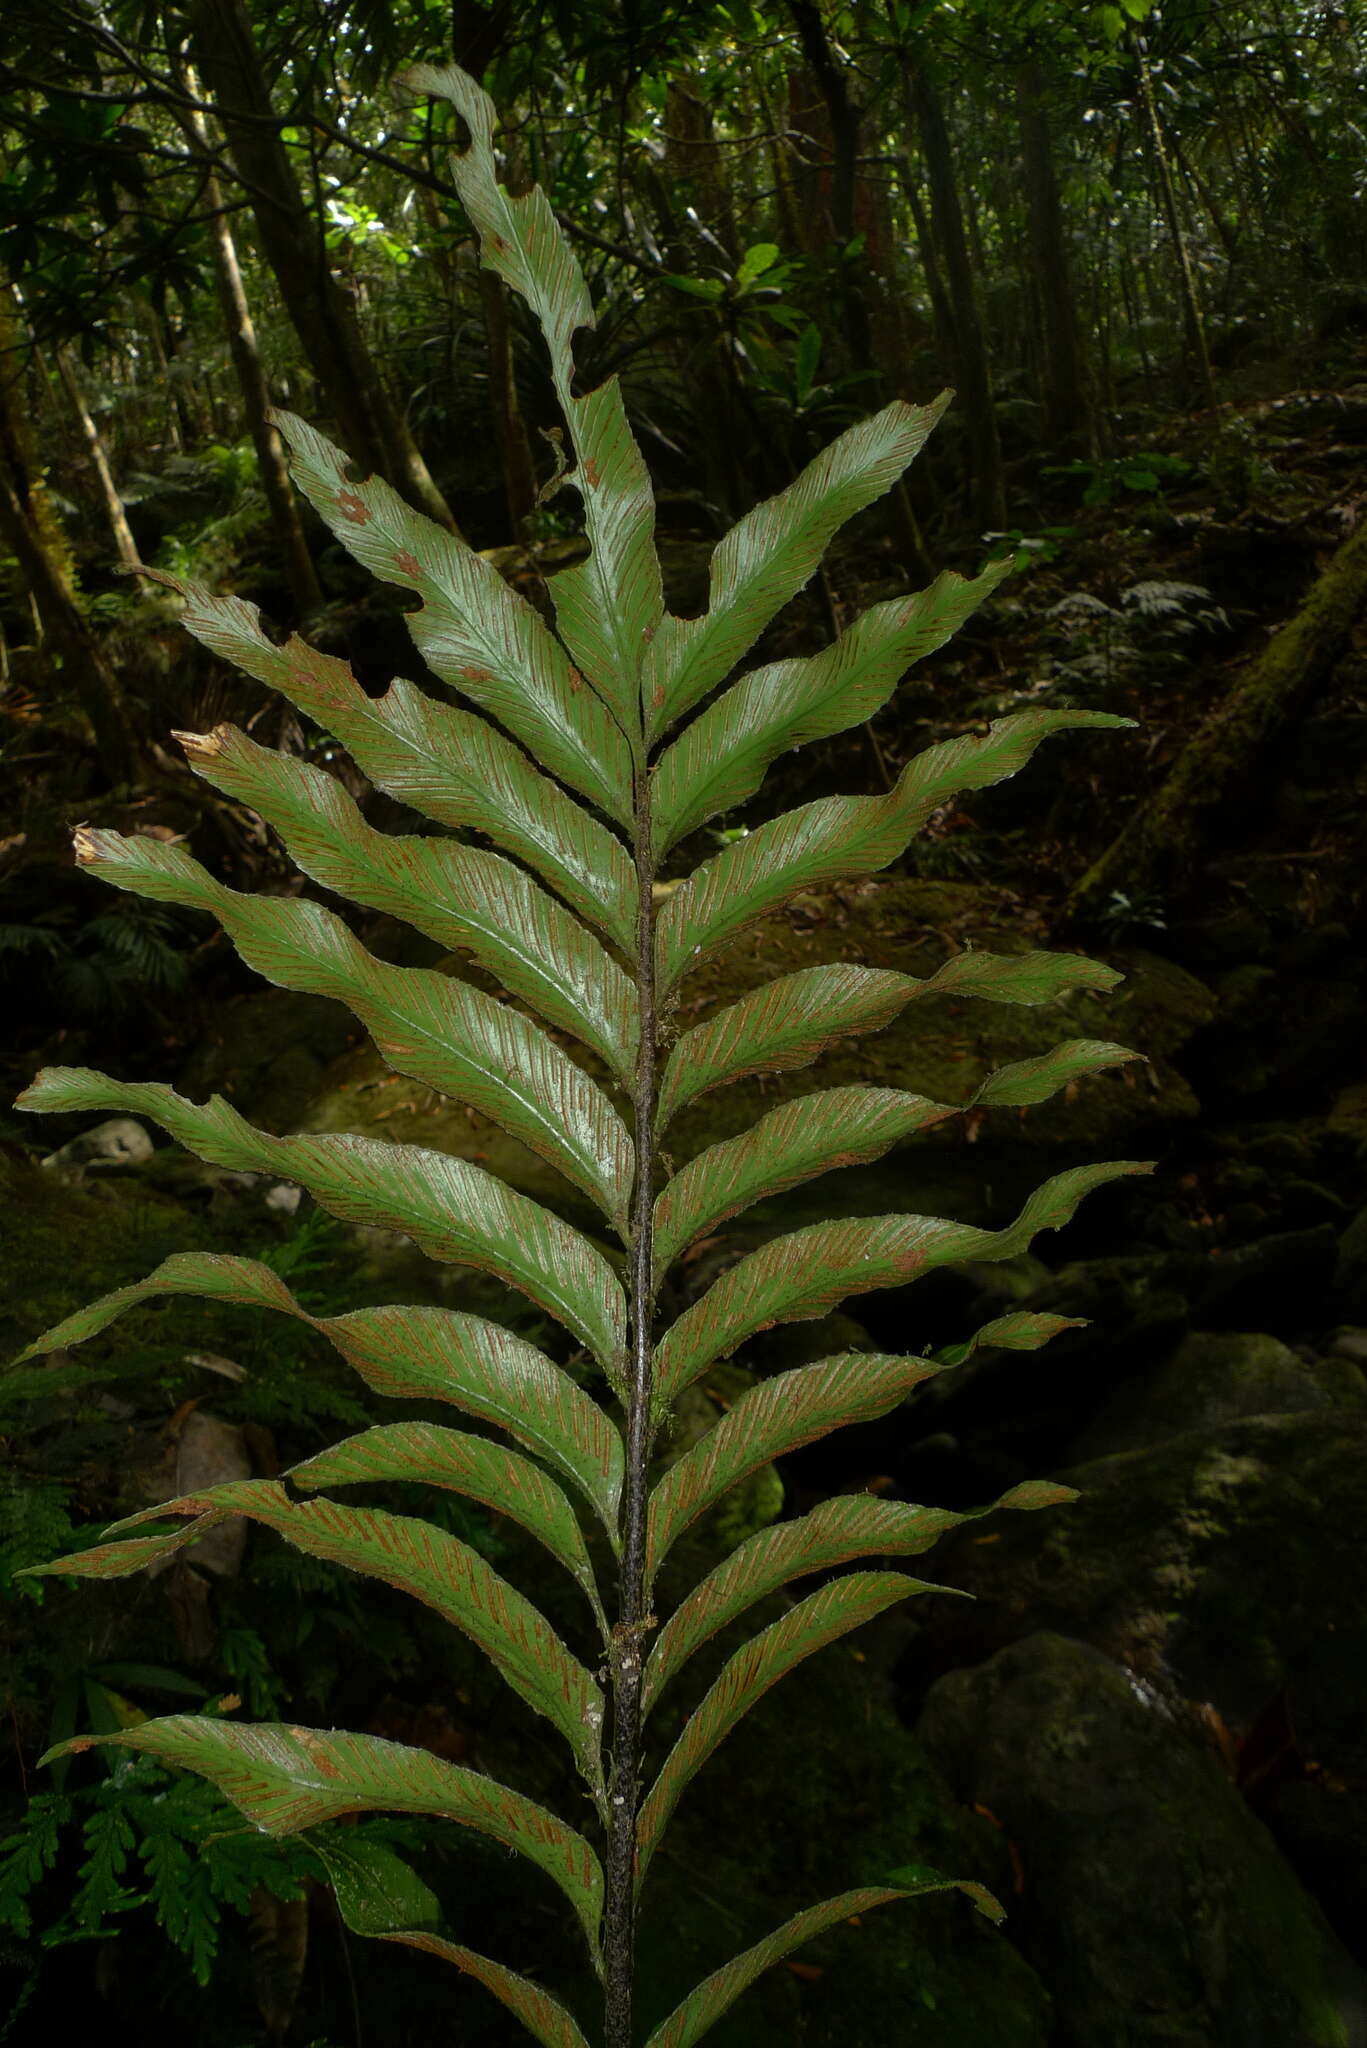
point(582, 752)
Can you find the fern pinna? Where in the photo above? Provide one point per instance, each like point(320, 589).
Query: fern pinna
point(574, 766)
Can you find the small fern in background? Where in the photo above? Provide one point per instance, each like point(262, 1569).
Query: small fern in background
point(594, 750)
point(105, 967)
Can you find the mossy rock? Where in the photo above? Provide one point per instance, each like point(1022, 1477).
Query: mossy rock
point(1348, 1117)
point(1225, 1565)
point(1216, 1377)
point(1152, 1902)
point(943, 1047)
point(1350, 1271)
point(821, 1789)
point(268, 1053)
point(66, 1243)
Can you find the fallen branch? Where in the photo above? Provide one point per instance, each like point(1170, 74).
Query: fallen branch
point(1169, 831)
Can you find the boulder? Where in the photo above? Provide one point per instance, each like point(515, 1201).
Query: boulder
point(1350, 1270)
point(119, 1142)
point(1224, 1568)
point(1136, 1308)
point(1216, 1377)
point(821, 1789)
point(1224, 1565)
point(123, 1228)
point(1150, 1900)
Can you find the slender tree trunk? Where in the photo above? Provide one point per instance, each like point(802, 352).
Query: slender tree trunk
point(872, 320)
point(156, 334)
point(125, 546)
point(479, 33)
point(514, 446)
point(692, 156)
point(728, 455)
point(844, 123)
point(33, 537)
point(1067, 412)
point(973, 371)
point(791, 223)
point(318, 306)
point(1194, 325)
point(941, 311)
point(251, 376)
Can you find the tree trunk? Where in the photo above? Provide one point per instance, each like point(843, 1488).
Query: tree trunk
point(31, 533)
point(251, 378)
point(515, 449)
point(971, 365)
point(170, 397)
point(941, 313)
point(1194, 325)
point(479, 34)
point(321, 311)
point(872, 317)
point(692, 156)
point(1067, 412)
point(125, 546)
point(844, 122)
point(1166, 838)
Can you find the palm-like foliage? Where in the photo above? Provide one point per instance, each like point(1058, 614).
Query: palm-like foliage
point(575, 768)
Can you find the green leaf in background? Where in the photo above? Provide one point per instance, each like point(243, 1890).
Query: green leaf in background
point(375, 1890)
point(703, 2007)
point(753, 264)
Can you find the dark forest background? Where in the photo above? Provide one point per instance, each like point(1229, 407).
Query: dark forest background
point(1134, 240)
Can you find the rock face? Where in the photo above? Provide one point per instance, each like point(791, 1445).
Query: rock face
point(1151, 1901)
point(1224, 1568)
point(1216, 1377)
point(820, 1789)
point(119, 1142)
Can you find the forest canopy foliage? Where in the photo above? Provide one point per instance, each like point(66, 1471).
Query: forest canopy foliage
point(788, 213)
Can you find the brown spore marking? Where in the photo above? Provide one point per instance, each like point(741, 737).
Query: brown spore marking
point(307, 1739)
point(474, 674)
point(353, 508)
point(591, 474)
point(409, 563)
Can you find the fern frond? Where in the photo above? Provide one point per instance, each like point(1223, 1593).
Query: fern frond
point(589, 753)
